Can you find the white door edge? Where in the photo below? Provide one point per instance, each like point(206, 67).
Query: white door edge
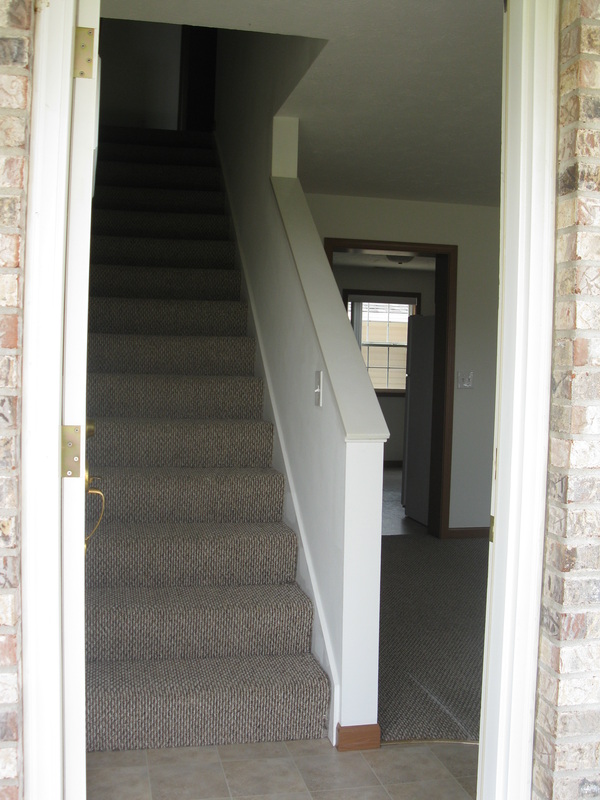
point(53, 710)
point(42, 401)
point(522, 399)
point(82, 157)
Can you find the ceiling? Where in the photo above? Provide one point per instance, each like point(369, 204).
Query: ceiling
point(404, 100)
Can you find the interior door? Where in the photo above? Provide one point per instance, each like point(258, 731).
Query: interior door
point(81, 171)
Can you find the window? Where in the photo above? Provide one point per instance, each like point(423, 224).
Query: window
point(380, 324)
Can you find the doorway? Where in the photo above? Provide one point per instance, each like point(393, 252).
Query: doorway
point(435, 267)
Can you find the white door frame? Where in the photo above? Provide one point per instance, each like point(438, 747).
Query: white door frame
point(50, 742)
point(528, 235)
point(57, 247)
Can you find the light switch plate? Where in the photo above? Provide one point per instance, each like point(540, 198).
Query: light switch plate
point(464, 380)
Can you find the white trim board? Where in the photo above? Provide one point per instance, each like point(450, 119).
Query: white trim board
point(42, 400)
point(522, 399)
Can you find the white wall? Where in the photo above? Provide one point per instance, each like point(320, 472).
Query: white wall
point(396, 279)
point(475, 229)
point(140, 73)
point(255, 72)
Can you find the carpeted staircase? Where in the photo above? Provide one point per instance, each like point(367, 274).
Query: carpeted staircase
point(196, 631)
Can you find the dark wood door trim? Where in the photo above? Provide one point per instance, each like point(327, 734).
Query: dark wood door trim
point(446, 256)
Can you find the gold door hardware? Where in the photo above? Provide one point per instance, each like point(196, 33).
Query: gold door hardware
point(100, 494)
point(90, 430)
point(83, 66)
point(70, 451)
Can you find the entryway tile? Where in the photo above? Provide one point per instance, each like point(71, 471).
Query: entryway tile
point(405, 764)
point(431, 790)
point(366, 793)
point(186, 773)
point(336, 771)
point(243, 752)
point(460, 759)
point(262, 777)
point(125, 783)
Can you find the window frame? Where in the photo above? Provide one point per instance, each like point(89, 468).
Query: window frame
point(401, 297)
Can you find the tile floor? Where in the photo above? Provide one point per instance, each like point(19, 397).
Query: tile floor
point(394, 521)
point(286, 771)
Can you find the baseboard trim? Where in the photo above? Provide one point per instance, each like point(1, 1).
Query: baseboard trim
point(358, 737)
point(468, 533)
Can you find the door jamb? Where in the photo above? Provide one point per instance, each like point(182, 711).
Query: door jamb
point(505, 747)
point(440, 526)
point(43, 730)
point(527, 237)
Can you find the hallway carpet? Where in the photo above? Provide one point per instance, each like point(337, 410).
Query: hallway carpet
point(433, 595)
point(196, 632)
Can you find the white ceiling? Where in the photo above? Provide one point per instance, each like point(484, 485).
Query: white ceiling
point(404, 100)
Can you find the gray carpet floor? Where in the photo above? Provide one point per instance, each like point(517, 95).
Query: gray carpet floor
point(433, 596)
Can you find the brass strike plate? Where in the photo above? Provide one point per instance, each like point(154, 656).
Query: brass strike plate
point(71, 451)
point(492, 525)
point(84, 53)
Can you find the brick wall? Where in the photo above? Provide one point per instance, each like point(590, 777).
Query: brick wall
point(567, 745)
point(15, 55)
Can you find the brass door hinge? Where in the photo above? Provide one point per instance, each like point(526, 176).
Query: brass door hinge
point(83, 66)
point(492, 531)
point(71, 451)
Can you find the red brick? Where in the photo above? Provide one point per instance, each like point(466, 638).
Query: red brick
point(8, 650)
point(9, 727)
point(9, 331)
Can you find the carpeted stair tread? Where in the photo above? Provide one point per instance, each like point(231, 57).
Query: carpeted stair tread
point(189, 396)
point(140, 624)
point(210, 494)
point(191, 554)
point(156, 136)
point(130, 442)
point(158, 224)
point(126, 280)
point(171, 317)
point(145, 252)
point(202, 201)
point(196, 632)
point(164, 153)
point(158, 176)
point(183, 355)
point(202, 702)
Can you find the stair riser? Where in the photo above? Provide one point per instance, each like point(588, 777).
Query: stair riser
point(158, 176)
point(231, 711)
point(189, 397)
point(167, 317)
point(179, 445)
point(159, 225)
point(158, 283)
point(170, 355)
point(229, 497)
point(140, 634)
point(158, 137)
point(163, 200)
point(115, 560)
point(155, 154)
point(172, 253)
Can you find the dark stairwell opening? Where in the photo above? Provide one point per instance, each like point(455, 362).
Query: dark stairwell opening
point(196, 631)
